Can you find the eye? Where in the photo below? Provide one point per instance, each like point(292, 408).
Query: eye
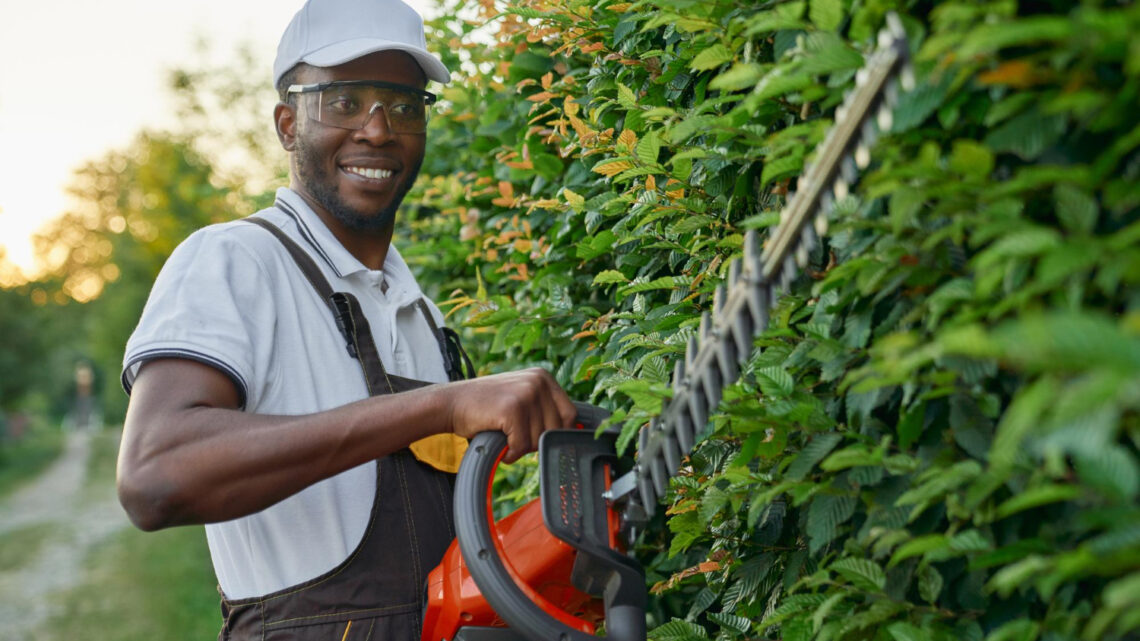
point(342, 103)
point(406, 109)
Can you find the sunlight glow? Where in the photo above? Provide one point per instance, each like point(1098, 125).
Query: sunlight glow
point(81, 78)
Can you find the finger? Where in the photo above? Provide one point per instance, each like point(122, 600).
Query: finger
point(551, 413)
point(518, 430)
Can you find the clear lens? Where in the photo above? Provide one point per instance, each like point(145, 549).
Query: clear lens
point(351, 107)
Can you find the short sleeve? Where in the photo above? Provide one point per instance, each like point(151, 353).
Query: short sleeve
point(208, 305)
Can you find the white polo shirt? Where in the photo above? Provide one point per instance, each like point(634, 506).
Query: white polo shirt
point(231, 297)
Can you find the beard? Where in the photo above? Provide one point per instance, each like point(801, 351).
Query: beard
point(322, 187)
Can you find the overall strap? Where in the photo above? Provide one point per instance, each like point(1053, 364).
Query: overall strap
point(346, 311)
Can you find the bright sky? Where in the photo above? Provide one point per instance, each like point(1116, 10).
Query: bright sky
point(80, 77)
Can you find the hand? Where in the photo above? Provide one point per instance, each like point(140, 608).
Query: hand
point(520, 404)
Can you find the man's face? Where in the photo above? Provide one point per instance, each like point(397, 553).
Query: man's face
point(358, 177)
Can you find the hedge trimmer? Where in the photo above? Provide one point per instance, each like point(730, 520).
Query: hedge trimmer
point(556, 569)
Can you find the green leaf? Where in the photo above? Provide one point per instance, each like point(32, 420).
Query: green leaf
point(917, 547)
point(853, 456)
point(1013, 577)
point(626, 97)
point(1027, 135)
point(812, 453)
point(609, 276)
point(1036, 497)
point(929, 583)
point(734, 622)
point(971, 159)
point(775, 382)
point(903, 631)
point(862, 573)
point(701, 602)
point(678, 630)
point(1019, 630)
point(910, 426)
point(776, 84)
point(595, 246)
point(781, 167)
point(1112, 470)
point(1007, 33)
point(826, 513)
point(646, 395)
point(648, 148)
point(1123, 593)
point(1019, 419)
point(1066, 341)
point(711, 58)
point(1076, 209)
point(825, 52)
point(665, 282)
point(782, 17)
point(826, 14)
point(741, 75)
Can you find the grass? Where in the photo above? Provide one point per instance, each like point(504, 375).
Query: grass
point(23, 459)
point(153, 586)
point(141, 586)
point(22, 545)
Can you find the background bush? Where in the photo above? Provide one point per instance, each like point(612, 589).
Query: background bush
point(937, 436)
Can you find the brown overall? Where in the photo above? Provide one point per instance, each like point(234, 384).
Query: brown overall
point(378, 591)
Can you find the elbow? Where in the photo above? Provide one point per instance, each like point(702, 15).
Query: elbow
point(150, 503)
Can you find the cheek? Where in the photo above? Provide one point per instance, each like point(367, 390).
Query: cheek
point(414, 150)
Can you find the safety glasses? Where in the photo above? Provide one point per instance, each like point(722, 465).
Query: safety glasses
point(349, 104)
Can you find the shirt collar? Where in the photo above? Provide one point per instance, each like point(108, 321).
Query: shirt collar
point(402, 286)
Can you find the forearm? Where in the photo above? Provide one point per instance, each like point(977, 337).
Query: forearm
point(208, 464)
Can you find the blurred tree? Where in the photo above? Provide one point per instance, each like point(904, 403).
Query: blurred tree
point(21, 325)
point(134, 206)
point(224, 106)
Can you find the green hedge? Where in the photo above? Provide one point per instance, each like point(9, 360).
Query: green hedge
point(937, 436)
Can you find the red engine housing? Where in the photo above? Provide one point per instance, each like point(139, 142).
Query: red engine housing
point(542, 562)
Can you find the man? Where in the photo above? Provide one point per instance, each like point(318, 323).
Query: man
point(277, 375)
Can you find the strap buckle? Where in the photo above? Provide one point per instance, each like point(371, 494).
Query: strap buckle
point(343, 315)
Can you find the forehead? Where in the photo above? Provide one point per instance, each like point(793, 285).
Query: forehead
point(388, 66)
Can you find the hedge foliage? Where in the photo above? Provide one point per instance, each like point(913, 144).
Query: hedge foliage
point(937, 436)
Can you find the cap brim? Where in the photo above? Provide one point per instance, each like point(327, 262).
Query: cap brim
point(342, 52)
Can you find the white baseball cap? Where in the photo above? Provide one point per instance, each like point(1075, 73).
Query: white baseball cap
point(326, 33)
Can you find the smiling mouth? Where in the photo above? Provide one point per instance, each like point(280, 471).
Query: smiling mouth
point(367, 172)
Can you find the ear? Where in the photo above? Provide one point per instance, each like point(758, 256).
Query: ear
point(285, 118)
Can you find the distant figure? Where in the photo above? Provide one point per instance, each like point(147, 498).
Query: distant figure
point(84, 410)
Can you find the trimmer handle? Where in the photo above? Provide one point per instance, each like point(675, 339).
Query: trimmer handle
point(521, 607)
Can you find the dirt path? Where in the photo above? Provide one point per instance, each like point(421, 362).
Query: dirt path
point(79, 514)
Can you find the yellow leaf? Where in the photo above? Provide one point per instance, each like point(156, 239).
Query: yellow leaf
point(506, 189)
point(576, 200)
point(547, 78)
point(628, 138)
point(1015, 73)
point(542, 96)
point(650, 183)
point(613, 167)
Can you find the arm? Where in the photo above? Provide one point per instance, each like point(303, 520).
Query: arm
point(190, 456)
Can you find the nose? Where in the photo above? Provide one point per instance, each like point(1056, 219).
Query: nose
point(376, 129)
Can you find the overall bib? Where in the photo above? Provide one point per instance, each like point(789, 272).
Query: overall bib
point(378, 591)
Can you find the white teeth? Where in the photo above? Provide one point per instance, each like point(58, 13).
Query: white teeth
point(370, 173)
